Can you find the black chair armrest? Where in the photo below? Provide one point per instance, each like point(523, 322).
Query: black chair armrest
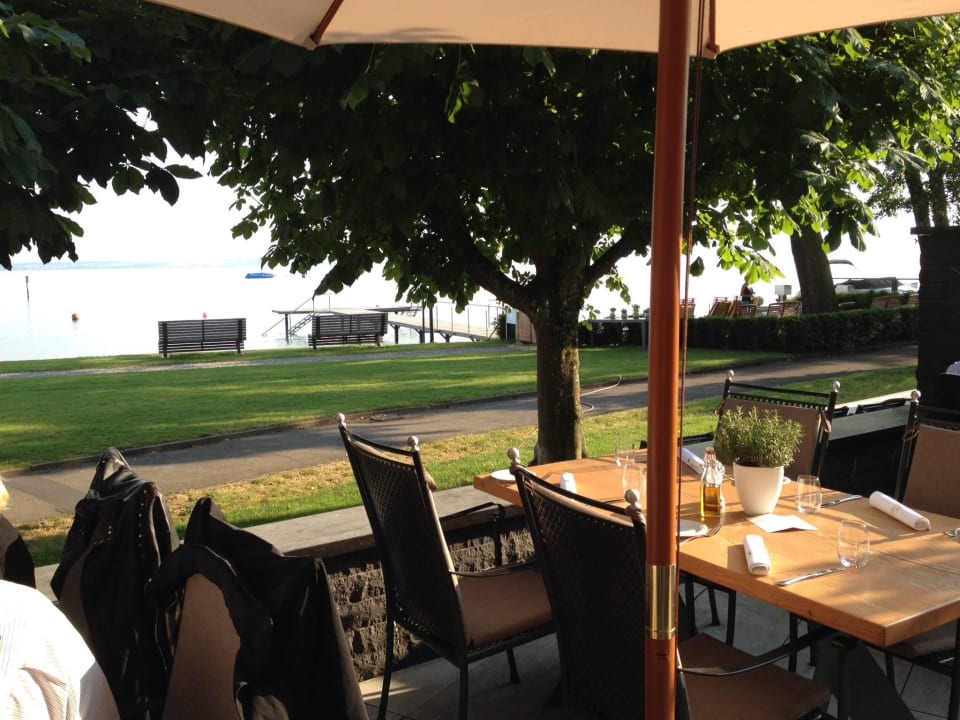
point(498, 513)
point(771, 656)
point(500, 569)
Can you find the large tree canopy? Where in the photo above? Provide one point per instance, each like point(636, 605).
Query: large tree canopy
point(523, 171)
point(74, 79)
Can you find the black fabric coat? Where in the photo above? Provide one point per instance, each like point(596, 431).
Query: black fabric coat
point(16, 564)
point(310, 673)
point(121, 533)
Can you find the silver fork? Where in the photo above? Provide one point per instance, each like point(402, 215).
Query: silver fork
point(709, 533)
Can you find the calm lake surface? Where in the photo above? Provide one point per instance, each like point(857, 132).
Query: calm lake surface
point(117, 304)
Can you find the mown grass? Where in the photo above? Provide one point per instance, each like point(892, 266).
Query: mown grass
point(453, 463)
point(50, 418)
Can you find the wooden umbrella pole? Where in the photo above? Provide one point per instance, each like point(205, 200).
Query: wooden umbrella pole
point(662, 495)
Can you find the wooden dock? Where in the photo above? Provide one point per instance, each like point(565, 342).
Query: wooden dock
point(411, 317)
point(426, 327)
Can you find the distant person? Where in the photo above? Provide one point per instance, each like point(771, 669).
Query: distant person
point(46, 669)
point(746, 293)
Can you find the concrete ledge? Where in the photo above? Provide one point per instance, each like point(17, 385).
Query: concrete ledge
point(326, 535)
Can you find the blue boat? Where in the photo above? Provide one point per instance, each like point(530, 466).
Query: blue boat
point(258, 275)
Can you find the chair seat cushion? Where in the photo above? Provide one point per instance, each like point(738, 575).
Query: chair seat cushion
point(938, 640)
point(499, 605)
point(766, 694)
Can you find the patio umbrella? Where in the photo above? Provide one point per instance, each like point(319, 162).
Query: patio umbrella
point(612, 24)
point(663, 27)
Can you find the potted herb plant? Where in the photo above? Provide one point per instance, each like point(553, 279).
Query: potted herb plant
point(759, 443)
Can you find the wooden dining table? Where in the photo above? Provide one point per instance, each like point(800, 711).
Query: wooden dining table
point(910, 584)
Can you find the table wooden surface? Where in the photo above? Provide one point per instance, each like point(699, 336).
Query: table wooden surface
point(910, 584)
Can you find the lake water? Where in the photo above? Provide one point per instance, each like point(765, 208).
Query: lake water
point(117, 304)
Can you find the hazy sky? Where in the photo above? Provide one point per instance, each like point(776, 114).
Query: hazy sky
point(198, 229)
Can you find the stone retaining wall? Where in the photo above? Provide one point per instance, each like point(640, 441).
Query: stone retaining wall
point(357, 585)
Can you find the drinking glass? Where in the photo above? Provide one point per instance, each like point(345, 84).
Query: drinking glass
point(853, 543)
point(809, 494)
point(626, 452)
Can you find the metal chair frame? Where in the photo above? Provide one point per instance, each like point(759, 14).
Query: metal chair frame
point(942, 659)
point(419, 580)
point(601, 648)
point(750, 394)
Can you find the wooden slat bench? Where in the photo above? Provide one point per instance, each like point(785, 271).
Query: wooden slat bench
point(202, 335)
point(335, 329)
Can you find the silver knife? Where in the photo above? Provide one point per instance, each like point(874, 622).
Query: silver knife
point(842, 500)
point(818, 573)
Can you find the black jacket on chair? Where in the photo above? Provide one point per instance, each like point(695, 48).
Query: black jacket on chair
point(16, 564)
point(310, 673)
point(120, 534)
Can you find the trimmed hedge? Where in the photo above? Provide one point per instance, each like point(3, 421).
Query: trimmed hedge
point(826, 332)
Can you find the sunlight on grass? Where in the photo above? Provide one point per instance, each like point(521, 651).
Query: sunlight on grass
point(453, 462)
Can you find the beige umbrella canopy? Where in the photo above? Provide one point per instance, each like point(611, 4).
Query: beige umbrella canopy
point(613, 25)
point(666, 28)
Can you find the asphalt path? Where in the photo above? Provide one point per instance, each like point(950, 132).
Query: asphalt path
point(55, 489)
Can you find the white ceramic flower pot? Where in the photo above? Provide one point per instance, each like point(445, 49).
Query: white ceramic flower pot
point(758, 487)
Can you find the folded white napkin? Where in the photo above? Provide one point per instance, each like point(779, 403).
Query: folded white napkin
point(568, 482)
point(898, 510)
point(691, 460)
point(758, 561)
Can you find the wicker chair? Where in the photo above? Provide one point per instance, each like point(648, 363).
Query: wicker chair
point(931, 438)
point(462, 616)
point(813, 410)
point(593, 560)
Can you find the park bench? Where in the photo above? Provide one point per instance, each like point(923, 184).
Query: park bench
point(202, 335)
point(345, 329)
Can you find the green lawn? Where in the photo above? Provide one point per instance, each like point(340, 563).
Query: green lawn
point(49, 418)
point(107, 411)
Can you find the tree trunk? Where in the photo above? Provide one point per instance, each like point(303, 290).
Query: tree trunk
point(559, 416)
point(919, 201)
point(938, 198)
point(813, 272)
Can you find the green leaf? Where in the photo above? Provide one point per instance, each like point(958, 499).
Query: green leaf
point(159, 180)
point(185, 172)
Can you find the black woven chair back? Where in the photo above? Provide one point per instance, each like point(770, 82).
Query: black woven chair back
point(417, 569)
point(813, 410)
point(593, 564)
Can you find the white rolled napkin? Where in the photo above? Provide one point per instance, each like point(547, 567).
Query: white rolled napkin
point(691, 460)
point(568, 482)
point(898, 510)
point(758, 561)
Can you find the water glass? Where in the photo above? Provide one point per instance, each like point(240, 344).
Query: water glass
point(626, 452)
point(853, 544)
point(809, 494)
